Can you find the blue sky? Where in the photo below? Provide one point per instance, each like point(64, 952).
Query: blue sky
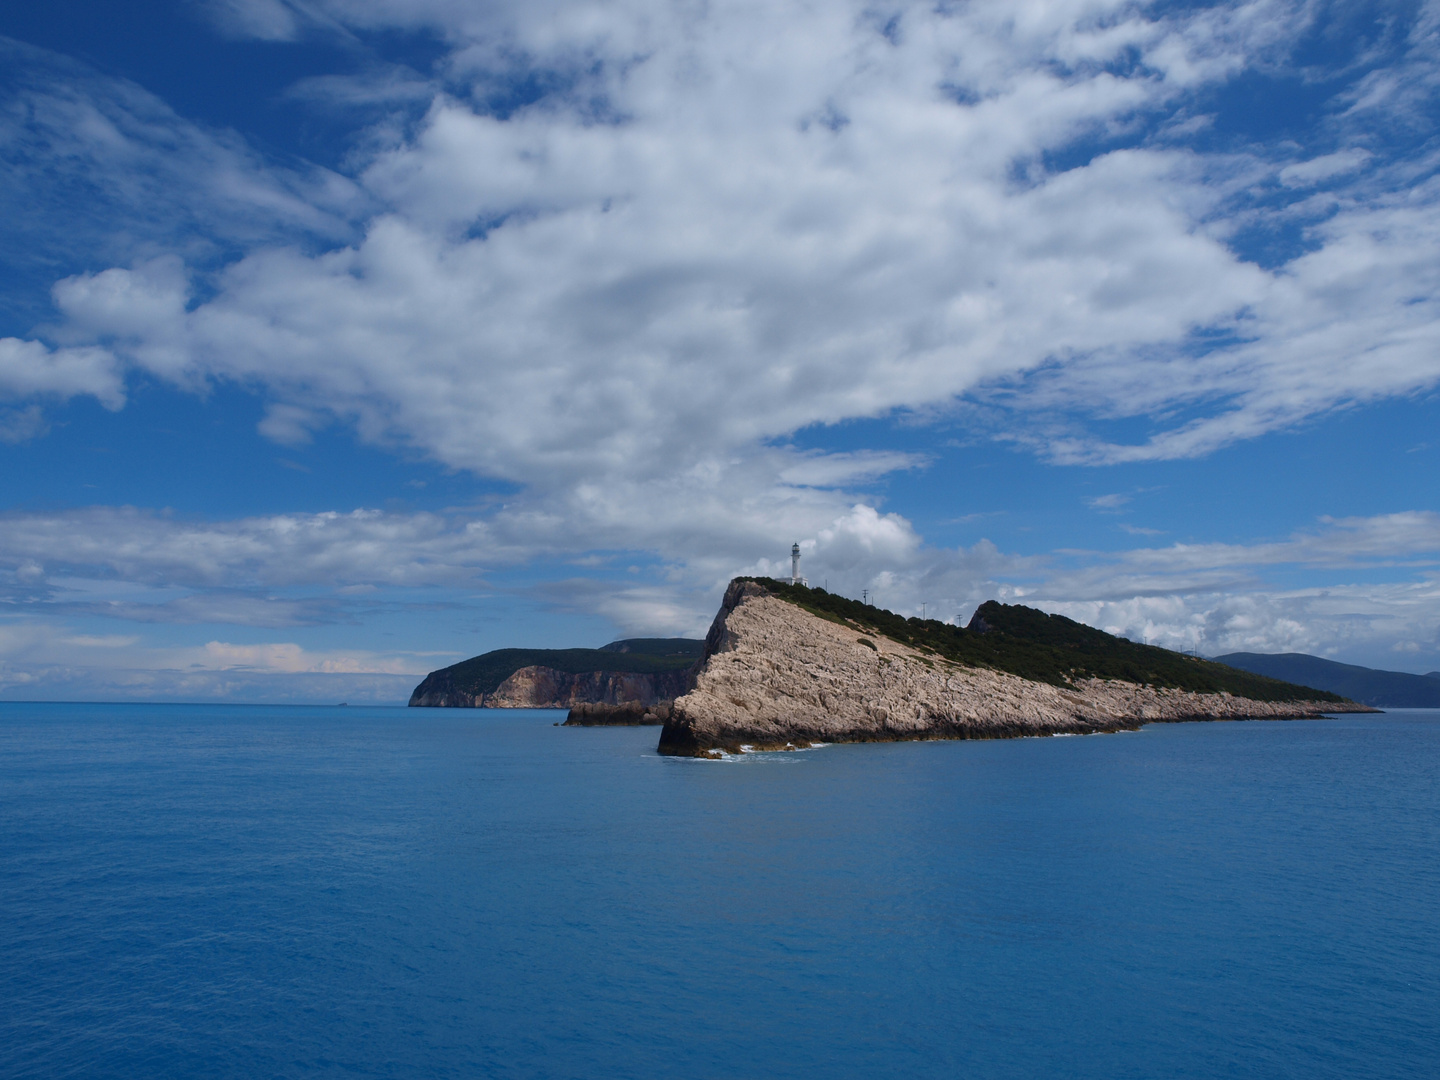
point(343, 339)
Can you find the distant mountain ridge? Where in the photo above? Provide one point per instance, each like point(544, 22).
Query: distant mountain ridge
point(1370, 686)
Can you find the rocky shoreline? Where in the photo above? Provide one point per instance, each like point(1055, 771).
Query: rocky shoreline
point(777, 677)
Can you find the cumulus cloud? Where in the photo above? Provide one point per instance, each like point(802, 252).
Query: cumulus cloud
point(29, 369)
point(724, 224)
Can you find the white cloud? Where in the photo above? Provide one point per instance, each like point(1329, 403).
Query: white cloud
point(22, 425)
point(48, 642)
point(364, 546)
point(46, 659)
point(290, 658)
point(835, 470)
point(30, 369)
point(1358, 624)
point(289, 425)
point(1112, 501)
point(98, 170)
point(267, 20)
point(780, 217)
point(1322, 168)
point(1339, 543)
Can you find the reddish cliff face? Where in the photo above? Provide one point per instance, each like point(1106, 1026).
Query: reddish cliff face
point(539, 687)
point(776, 677)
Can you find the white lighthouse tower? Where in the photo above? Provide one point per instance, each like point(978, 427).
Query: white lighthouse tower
point(795, 578)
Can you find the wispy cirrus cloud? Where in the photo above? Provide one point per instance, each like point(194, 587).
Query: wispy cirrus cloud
point(98, 169)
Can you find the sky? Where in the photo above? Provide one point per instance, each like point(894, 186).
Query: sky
point(343, 339)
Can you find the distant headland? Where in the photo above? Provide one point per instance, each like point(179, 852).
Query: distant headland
point(635, 672)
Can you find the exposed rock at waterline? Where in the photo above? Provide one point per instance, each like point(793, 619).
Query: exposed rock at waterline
point(626, 714)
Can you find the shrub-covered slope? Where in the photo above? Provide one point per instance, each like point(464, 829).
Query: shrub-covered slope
point(1045, 648)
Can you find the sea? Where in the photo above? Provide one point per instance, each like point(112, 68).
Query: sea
point(244, 891)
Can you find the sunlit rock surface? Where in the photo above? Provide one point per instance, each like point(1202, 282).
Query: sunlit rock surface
point(777, 677)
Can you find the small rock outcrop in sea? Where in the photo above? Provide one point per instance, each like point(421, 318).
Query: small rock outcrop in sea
point(626, 714)
point(776, 676)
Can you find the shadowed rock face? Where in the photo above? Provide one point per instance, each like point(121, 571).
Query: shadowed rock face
point(626, 714)
point(776, 677)
point(538, 687)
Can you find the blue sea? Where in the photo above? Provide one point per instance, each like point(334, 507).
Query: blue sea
point(218, 891)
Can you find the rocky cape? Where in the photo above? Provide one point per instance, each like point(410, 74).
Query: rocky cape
point(539, 687)
point(635, 674)
point(776, 676)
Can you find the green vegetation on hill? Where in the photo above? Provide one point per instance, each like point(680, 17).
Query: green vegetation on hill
point(1045, 648)
point(644, 656)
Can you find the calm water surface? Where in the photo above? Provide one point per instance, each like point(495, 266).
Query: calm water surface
point(254, 892)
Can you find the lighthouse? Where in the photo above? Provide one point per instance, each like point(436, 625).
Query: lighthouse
point(795, 565)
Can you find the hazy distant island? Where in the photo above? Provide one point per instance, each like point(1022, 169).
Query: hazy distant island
point(785, 666)
point(1369, 686)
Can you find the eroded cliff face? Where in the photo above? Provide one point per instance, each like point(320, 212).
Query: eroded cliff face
point(545, 688)
point(776, 677)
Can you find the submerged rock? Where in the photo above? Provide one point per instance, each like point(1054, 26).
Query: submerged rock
point(625, 714)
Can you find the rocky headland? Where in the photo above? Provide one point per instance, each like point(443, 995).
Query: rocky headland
point(787, 667)
point(540, 687)
point(639, 673)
